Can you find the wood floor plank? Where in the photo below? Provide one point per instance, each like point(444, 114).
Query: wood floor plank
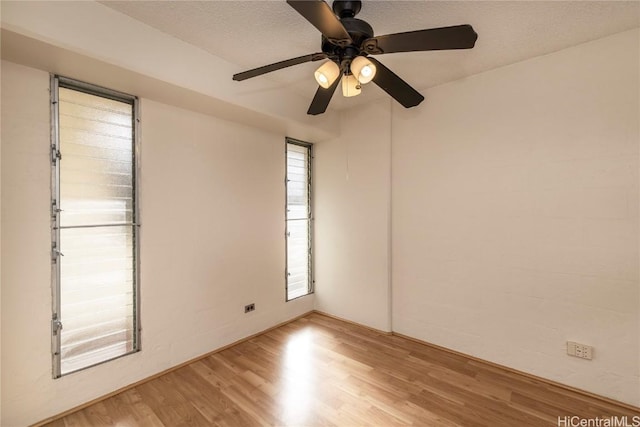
point(320, 371)
point(171, 407)
point(130, 406)
point(77, 419)
point(422, 417)
point(241, 398)
point(205, 398)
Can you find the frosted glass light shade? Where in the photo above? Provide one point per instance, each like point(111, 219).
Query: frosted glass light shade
point(363, 69)
point(327, 73)
point(350, 86)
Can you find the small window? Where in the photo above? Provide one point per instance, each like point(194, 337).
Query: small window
point(299, 219)
point(95, 225)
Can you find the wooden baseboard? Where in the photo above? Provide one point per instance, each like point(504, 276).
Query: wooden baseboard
point(521, 373)
point(331, 316)
point(166, 371)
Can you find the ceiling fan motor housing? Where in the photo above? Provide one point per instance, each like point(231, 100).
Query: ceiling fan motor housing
point(358, 30)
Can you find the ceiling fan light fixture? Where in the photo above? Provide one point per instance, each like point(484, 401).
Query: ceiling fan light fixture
point(346, 44)
point(363, 69)
point(350, 86)
point(327, 73)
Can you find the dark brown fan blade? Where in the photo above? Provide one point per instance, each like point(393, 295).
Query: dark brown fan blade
point(321, 16)
point(456, 37)
point(322, 97)
point(278, 65)
point(395, 86)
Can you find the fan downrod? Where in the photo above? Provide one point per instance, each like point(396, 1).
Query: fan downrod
point(347, 8)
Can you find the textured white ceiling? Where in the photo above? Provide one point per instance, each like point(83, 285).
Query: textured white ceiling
point(256, 33)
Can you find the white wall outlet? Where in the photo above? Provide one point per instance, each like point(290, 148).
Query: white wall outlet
point(582, 351)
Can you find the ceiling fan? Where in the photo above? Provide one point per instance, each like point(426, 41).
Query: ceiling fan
point(347, 43)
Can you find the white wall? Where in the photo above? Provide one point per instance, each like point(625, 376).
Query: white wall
point(26, 292)
point(212, 198)
point(352, 239)
point(515, 216)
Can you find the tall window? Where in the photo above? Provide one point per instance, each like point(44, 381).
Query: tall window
point(94, 225)
point(299, 217)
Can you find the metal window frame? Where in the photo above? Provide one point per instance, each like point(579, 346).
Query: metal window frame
point(310, 156)
point(56, 82)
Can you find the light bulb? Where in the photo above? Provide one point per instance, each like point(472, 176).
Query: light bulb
point(350, 86)
point(363, 69)
point(327, 73)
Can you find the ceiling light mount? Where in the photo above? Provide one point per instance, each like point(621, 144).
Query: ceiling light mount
point(346, 8)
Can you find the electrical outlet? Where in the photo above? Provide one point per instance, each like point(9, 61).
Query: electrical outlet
point(249, 307)
point(582, 351)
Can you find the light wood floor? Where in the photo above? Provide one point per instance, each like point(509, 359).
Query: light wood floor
point(318, 371)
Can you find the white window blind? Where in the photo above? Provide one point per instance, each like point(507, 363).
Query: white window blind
point(299, 272)
point(95, 313)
